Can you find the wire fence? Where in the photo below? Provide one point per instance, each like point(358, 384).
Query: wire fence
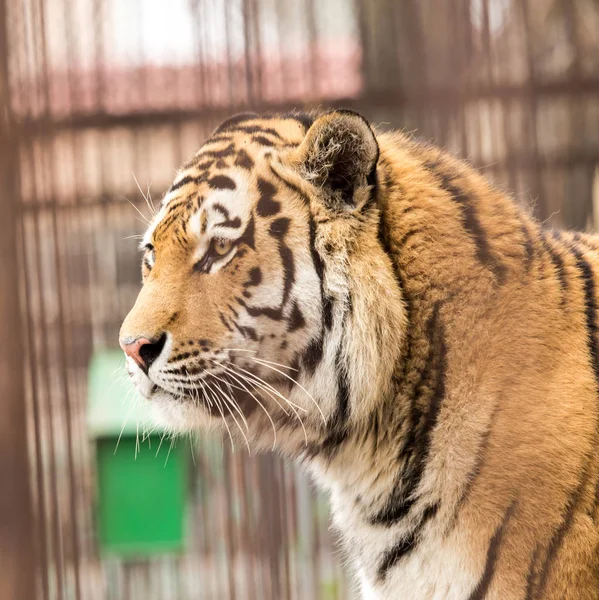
point(103, 96)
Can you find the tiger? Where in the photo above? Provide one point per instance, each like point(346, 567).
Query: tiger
point(372, 307)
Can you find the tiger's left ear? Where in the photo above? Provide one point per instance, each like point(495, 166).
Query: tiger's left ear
point(339, 155)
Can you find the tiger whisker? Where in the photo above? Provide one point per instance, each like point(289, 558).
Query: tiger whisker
point(291, 404)
point(169, 450)
point(196, 397)
point(265, 383)
point(193, 456)
point(144, 223)
point(270, 362)
point(147, 433)
point(149, 196)
point(233, 404)
point(248, 377)
point(259, 361)
point(160, 444)
point(145, 219)
point(150, 207)
point(125, 420)
point(222, 414)
point(274, 429)
point(269, 389)
point(236, 405)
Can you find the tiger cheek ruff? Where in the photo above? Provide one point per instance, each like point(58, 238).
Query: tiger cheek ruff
point(374, 308)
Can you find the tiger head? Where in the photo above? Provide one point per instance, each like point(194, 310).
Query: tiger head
point(267, 296)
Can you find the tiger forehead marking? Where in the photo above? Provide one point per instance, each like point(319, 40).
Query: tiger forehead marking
point(374, 308)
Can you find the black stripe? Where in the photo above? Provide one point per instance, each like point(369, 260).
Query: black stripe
point(531, 576)
point(399, 280)
point(471, 222)
point(305, 119)
point(222, 153)
point(255, 277)
point(228, 222)
point(557, 539)
point(179, 184)
point(194, 163)
point(221, 182)
point(202, 166)
point(276, 314)
point(313, 353)
point(217, 139)
point(243, 160)
point(168, 220)
point(392, 556)
point(558, 265)
point(586, 241)
point(247, 332)
point(407, 236)
point(296, 318)
point(473, 475)
point(473, 226)
point(175, 204)
point(595, 512)
point(590, 302)
point(327, 312)
point(482, 587)
point(247, 237)
point(263, 141)
point(180, 242)
point(337, 425)
point(316, 258)
point(234, 121)
point(278, 229)
point(224, 322)
point(291, 186)
point(417, 444)
point(529, 249)
point(259, 129)
point(559, 535)
point(267, 206)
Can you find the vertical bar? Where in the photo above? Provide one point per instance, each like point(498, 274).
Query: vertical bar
point(533, 107)
point(73, 559)
point(247, 40)
point(16, 515)
point(229, 540)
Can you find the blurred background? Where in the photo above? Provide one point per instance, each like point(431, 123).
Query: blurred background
point(100, 101)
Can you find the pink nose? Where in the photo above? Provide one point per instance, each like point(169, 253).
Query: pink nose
point(142, 350)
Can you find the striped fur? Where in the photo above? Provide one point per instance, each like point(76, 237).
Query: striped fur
point(374, 308)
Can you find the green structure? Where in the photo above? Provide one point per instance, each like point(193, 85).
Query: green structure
point(142, 482)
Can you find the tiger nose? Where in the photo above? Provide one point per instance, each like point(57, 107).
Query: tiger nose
point(142, 350)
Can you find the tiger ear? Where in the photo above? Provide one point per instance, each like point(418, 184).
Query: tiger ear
point(339, 155)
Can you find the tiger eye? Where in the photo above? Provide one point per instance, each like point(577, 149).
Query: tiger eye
point(221, 247)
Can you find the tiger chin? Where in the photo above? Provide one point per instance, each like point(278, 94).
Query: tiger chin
point(374, 308)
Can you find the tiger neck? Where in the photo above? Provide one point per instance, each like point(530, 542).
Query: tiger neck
point(433, 229)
